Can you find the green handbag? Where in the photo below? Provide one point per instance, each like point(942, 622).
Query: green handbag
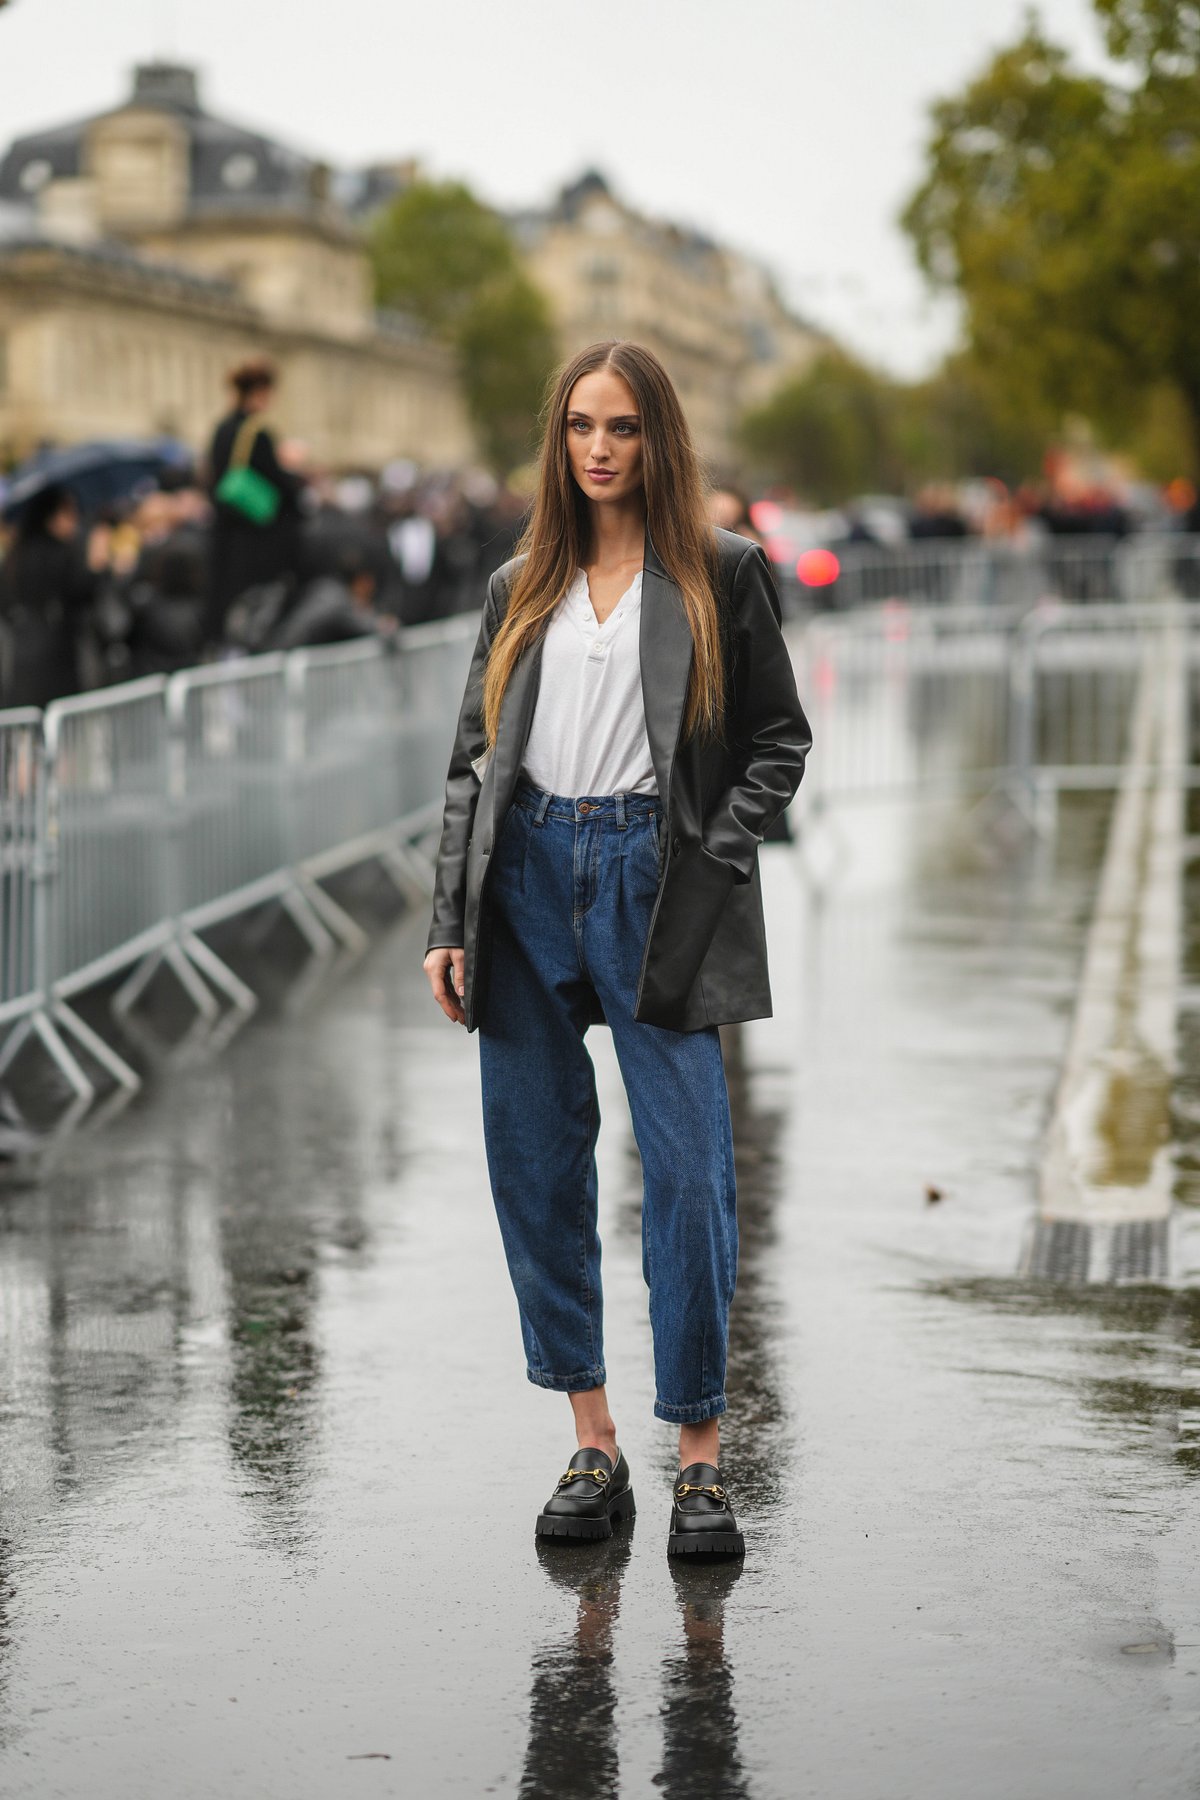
point(242, 487)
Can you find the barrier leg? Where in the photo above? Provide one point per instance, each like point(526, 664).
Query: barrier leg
point(11, 1047)
point(170, 956)
point(418, 868)
point(68, 1067)
point(38, 1024)
point(132, 989)
point(335, 918)
point(409, 871)
point(300, 910)
point(91, 1041)
point(189, 980)
point(219, 975)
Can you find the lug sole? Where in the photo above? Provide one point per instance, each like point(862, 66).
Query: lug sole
point(706, 1543)
point(584, 1530)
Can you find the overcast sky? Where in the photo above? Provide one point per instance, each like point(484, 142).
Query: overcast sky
point(789, 128)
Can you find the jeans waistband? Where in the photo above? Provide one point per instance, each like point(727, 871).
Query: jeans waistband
point(617, 808)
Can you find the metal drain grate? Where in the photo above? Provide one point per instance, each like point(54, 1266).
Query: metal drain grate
point(1061, 1251)
point(1138, 1251)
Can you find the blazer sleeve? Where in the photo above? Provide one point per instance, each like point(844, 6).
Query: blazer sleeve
point(448, 927)
point(769, 735)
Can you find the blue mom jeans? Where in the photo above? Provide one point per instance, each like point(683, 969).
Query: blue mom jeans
point(571, 891)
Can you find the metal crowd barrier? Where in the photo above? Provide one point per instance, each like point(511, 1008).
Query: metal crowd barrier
point(22, 840)
point(1086, 569)
point(134, 819)
point(1076, 684)
point(906, 699)
point(927, 700)
point(108, 808)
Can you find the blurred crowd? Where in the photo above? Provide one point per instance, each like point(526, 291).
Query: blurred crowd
point(259, 549)
point(173, 574)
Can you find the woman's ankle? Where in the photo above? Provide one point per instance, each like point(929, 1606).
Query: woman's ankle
point(594, 1428)
point(700, 1443)
point(598, 1437)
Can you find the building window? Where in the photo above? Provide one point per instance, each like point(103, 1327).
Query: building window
point(239, 170)
point(35, 175)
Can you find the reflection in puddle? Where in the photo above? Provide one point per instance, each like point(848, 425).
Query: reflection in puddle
point(573, 1742)
point(701, 1751)
point(1151, 1333)
point(573, 1704)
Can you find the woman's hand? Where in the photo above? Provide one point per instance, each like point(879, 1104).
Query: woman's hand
point(445, 971)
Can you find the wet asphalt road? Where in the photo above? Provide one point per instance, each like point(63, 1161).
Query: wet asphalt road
point(270, 1464)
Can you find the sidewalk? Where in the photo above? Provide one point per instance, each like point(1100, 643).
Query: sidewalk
point(254, 1333)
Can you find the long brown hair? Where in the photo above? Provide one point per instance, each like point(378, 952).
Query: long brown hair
point(556, 539)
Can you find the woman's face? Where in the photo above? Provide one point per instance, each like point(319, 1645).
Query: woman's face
point(604, 437)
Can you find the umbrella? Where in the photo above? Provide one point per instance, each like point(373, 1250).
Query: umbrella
point(98, 474)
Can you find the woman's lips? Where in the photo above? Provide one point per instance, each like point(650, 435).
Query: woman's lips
point(601, 475)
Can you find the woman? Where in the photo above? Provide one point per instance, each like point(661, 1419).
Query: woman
point(629, 731)
point(48, 584)
point(247, 553)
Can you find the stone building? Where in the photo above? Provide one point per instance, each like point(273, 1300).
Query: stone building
point(145, 250)
point(714, 317)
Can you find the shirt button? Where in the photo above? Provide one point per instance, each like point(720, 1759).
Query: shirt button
point(676, 846)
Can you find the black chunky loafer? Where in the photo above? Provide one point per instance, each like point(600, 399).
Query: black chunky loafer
point(702, 1521)
point(591, 1493)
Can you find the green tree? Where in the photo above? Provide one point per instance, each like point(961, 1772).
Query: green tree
point(962, 420)
point(506, 349)
point(1065, 209)
point(440, 254)
point(828, 432)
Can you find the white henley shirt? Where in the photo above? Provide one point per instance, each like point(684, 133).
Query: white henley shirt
point(588, 735)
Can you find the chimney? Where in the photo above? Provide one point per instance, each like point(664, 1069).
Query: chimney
point(166, 84)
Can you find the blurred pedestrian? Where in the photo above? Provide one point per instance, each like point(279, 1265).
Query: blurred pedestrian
point(729, 508)
point(937, 514)
point(428, 577)
point(48, 582)
point(335, 608)
point(165, 591)
point(629, 731)
point(256, 521)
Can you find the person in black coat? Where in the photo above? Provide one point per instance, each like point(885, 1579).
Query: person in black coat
point(47, 586)
point(245, 554)
point(335, 608)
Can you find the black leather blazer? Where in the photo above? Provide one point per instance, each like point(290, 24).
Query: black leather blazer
point(705, 961)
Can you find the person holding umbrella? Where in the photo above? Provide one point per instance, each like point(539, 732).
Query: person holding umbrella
point(48, 582)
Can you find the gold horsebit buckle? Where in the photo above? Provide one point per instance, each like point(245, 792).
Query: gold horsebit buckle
point(600, 1475)
point(689, 1487)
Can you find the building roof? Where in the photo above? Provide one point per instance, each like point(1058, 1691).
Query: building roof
point(230, 168)
point(19, 240)
point(684, 242)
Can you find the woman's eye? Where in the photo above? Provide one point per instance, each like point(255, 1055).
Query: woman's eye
point(576, 425)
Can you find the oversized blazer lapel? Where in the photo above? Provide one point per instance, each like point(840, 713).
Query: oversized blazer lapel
point(665, 644)
point(512, 732)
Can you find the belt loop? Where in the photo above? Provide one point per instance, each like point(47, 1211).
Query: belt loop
point(539, 817)
point(620, 812)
